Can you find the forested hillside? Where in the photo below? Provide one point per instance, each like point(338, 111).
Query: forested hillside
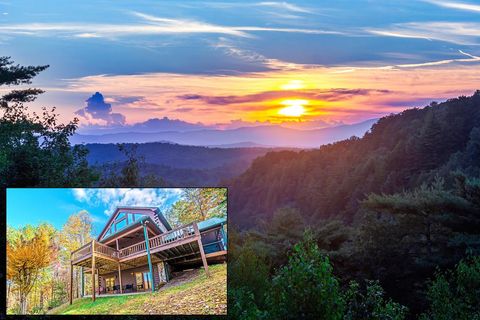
point(178, 165)
point(400, 152)
point(399, 206)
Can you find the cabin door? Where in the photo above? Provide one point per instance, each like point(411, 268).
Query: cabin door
point(147, 281)
point(143, 280)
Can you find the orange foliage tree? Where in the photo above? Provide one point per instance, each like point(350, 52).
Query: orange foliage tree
point(29, 250)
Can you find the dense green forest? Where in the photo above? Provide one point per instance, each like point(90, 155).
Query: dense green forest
point(395, 206)
point(381, 227)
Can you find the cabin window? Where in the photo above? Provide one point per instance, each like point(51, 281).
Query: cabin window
point(121, 215)
point(109, 283)
point(120, 224)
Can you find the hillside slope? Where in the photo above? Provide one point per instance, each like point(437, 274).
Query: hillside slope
point(400, 152)
point(188, 294)
point(178, 164)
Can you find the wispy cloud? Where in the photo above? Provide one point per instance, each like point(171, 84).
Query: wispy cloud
point(456, 5)
point(471, 59)
point(463, 33)
point(284, 5)
point(278, 5)
point(332, 94)
point(113, 198)
point(230, 49)
point(149, 25)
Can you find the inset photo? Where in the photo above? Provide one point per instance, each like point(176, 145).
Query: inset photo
point(117, 251)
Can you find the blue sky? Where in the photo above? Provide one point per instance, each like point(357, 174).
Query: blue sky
point(144, 56)
point(37, 205)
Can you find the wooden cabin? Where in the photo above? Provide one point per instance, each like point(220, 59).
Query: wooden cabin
point(138, 250)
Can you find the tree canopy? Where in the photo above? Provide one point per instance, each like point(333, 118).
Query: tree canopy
point(35, 148)
point(29, 250)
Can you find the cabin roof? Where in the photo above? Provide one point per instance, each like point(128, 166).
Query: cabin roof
point(155, 210)
point(210, 223)
point(132, 226)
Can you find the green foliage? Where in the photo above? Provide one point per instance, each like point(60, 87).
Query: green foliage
point(305, 288)
point(249, 272)
point(276, 237)
point(407, 235)
point(455, 294)
point(371, 304)
point(199, 204)
point(35, 149)
point(242, 305)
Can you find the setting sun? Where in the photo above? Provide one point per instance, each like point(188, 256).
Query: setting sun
point(294, 108)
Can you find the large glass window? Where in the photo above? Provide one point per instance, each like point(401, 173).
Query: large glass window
point(109, 282)
point(119, 225)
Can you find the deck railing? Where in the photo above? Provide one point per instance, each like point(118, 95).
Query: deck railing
point(133, 249)
point(105, 250)
point(163, 239)
point(82, 251)
point(174, 235)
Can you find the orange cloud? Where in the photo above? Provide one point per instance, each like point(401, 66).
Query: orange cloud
point(347, 94)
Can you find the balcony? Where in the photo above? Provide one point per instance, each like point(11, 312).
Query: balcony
point(162, 242)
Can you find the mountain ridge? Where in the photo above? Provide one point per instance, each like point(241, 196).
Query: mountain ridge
point(275, 136)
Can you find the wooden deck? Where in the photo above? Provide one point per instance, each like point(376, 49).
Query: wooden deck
point(173, 244)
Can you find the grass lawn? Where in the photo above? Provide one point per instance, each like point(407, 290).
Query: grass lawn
point(198, 295)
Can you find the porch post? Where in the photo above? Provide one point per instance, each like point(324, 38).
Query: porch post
point(119, 272)
point(147, 246)
point(71, 281)
point(93, 270)
point(82, 282)
point(200, 246)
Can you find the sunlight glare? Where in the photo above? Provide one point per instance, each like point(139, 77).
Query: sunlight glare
point(294, 108)
point(293, 85)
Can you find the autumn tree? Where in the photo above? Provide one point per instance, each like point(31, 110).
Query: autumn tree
point(29, 250)
point(198, 204)
point(76, 232)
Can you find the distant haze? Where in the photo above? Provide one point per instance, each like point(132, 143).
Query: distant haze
point(273, 135)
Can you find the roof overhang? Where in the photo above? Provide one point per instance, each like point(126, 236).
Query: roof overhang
point(150, 224)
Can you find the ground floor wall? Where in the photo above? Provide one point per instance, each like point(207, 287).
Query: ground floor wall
point(134, 278)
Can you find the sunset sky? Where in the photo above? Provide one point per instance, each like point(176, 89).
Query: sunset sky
point(231, 64)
